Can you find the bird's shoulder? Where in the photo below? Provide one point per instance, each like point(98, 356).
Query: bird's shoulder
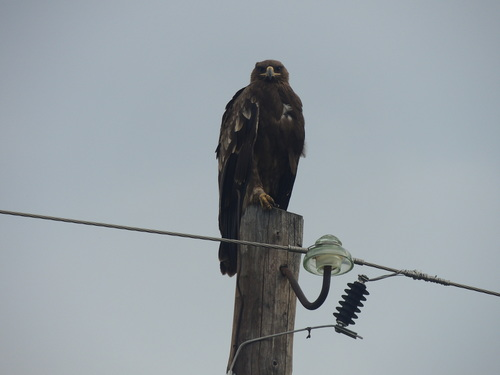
point(238, 121)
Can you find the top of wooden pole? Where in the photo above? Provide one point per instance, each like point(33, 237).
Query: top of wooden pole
point(264, 302)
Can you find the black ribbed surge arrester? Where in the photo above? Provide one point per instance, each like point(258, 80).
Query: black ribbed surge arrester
point(351, 303)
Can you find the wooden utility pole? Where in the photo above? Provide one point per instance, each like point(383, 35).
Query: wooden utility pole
point(265, 303)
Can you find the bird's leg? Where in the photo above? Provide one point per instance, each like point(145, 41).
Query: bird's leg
point(256, 192)
point(265, 200)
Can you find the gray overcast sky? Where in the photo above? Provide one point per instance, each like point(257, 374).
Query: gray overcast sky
point(110, 111)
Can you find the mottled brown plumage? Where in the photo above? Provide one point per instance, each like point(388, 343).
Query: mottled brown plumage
point(261, 141)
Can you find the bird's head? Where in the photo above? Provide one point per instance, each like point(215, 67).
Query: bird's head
point(270, 71)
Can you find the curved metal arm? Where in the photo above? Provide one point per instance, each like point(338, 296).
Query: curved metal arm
point(327, 274)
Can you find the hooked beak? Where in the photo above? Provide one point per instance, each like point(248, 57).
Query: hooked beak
point(270, 74)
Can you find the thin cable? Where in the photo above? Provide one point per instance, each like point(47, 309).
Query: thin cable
point(294, 249)
point(233, 362)
point(417, 275)
point(380, 277)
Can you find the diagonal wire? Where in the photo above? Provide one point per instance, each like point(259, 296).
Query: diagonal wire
point(233, 362)
point(296, 249)
point(416, 275)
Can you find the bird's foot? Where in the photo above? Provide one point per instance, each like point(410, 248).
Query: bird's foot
point(266, 201)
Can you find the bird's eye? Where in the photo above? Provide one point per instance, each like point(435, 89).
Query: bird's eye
point(278, 69)
point(261, 69)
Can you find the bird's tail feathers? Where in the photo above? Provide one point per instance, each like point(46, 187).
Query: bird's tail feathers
point(229, 221)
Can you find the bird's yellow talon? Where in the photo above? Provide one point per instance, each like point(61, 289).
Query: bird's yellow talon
point(266, 201)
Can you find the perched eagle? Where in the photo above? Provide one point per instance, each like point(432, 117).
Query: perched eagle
point(261, 141)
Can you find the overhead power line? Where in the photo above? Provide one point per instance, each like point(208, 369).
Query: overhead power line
point(416, 275)
point(290, 248)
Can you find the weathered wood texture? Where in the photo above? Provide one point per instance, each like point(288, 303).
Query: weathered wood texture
point(265, 303)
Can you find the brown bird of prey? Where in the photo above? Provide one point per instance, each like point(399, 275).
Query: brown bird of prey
point(261, 141)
